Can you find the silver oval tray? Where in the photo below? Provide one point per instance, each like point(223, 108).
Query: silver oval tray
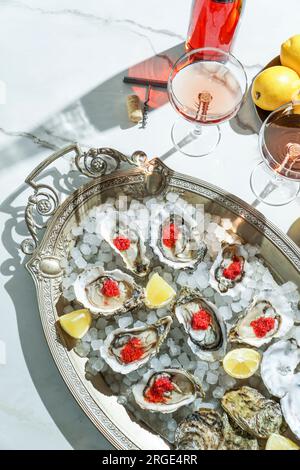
point(143, 178)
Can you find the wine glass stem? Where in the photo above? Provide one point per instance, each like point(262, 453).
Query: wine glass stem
point(197, 130)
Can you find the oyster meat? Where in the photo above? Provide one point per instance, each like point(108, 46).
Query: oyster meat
point(125, 238)
point(290, 405)
point(255, 414)
point(176, 238)
point(126, 350)
point(228, 269)
point(166, 391)
point(260, 323)
point(107, 292)
point(202, 322)
point(278, 367)
point(207, 429)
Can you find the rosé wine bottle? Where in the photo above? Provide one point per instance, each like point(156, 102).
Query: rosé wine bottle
point(213, 23)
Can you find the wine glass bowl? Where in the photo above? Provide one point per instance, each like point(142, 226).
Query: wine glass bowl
point(279, 142)
point(206, 87)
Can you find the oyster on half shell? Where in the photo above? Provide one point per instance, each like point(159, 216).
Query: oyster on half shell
point(259, 324)
point(126, 239)
point(202, 322)
point(207, 429)
point(176, 238)
point(228, 268)
point(127, 349)
point(278, 367)
point(255, 414)
point(107, 293)
point(167, 391)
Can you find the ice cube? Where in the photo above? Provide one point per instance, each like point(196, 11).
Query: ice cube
point(109, 329)
point(151, 318)
point(80, 262)
point(211, 378)
point(218, 392)
point(125, 320)
point(165, 360)
point(172, 196)
point(82, 348)
point(184, 360)
point(96, 344)
point(85, 249)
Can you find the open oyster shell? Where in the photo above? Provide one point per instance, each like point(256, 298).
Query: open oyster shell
point(244, 329)
point(278, 367)
point(176, 239)
point(146, 339)
point(183, 389)
point(290, 405)
point(208, 343)
point(88, 289)
point(207, 429)
point(117, 226)
point(254, 413)
point(225, 283)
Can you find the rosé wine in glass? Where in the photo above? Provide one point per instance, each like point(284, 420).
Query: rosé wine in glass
point(213, 78)
point(206, 87)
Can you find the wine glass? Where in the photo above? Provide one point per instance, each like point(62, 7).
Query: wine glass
point(276, 180)
point(206, 87)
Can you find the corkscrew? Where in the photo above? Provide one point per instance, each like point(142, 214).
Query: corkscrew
point(149, 83)
point(146, 108)
point(204, 100)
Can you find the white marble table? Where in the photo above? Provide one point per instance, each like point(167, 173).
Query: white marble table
point(62, 65)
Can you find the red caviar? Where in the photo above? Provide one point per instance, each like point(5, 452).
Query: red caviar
point(156, 393)
point(121, 243)
point(201, 320)
point(132, 351)
point(262, 326)
point(170, 235)
point(110, 288)
point(233, 270)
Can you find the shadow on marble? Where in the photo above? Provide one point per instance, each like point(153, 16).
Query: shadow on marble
point(63, 409)
point(246, 121)
point(102, 108)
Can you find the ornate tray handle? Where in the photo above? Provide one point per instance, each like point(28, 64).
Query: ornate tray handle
point(45, 200)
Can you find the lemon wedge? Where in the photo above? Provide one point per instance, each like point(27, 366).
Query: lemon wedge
point(277, 442)
point(241, 363)
point(158, 292)
point(76, 323)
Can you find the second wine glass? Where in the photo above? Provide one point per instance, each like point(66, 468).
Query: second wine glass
point(206, 87)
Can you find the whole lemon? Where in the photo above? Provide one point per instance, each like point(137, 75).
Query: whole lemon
point(290, 53)
point(274, 87)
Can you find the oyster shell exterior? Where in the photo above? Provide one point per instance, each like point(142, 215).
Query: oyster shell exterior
point(290, 405)
point(254, 413)
point(202, 430)
point(244, 331)
point(88, 289)
point(278, 367)
point(207, 342)
point(147, 340)
point(207, 429)
point(183, 389)
point(118, 226)
point(176, 239)
point(229, 254)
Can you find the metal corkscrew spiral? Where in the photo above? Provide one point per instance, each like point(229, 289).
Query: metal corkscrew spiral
point(146, 108)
